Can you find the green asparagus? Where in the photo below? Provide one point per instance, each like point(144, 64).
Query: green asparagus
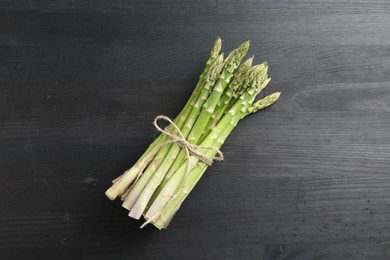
point(165, 174)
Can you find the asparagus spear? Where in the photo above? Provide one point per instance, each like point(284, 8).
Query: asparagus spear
point(240, 76)
point(241, 108)
point(263, 103)
point(121, 184)
point(197, 172)
point(208, 117)
point(232, 61)
point(151, 178)
point(221, 109)
point(170, 187)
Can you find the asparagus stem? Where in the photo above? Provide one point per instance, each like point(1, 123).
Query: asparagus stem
point(197, 172)
point(165, 174)
point(232, 62)
point(120, 185)
point(138, 198)
point(226, 82)
point(237, 112)
point(170, 187)
point(169, 190)
point(239, 77)
point(200, 168)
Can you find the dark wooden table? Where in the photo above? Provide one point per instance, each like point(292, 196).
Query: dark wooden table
point(81, 81)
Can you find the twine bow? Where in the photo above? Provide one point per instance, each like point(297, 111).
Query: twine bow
point(190, 149)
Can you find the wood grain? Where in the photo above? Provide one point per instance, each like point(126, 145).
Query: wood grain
point(81, 81)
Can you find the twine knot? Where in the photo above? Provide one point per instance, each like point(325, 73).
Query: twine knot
point(191, 149)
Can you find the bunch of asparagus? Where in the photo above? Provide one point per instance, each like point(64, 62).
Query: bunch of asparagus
point(162, 178)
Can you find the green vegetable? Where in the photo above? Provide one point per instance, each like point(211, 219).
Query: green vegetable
point(121, 184)
point(163, 177)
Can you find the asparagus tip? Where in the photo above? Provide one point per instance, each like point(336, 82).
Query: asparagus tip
point(218, 41)
point(234, 58)
point(245, 45)
point(271, 98)
point(266, 101)
point(215, 68)
point(216, 48)
point(248, 62)
point(276, 95)
point(219, 59)
point(242, 50)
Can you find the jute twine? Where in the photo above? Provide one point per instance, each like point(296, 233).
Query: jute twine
point(190, 149)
